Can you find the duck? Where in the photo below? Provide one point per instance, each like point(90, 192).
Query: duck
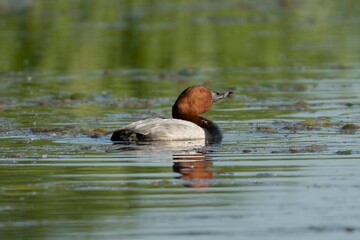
point(186, 122)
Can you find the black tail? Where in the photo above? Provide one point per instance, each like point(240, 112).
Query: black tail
point(125, 135)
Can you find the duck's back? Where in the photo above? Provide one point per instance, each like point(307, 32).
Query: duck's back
point(159, 129)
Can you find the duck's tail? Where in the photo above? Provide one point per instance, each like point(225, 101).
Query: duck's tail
point(126, 135)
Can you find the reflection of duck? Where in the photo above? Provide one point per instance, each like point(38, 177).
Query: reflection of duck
point(187, 122)
point(195, 170)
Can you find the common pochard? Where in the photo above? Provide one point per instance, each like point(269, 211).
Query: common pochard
point(186, 124)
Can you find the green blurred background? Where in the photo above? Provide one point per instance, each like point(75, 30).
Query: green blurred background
point(153, 49)
point(68, 36)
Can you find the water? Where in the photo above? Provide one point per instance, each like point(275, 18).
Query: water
point(284, 170)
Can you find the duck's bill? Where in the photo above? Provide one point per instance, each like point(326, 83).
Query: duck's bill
point(218, 96)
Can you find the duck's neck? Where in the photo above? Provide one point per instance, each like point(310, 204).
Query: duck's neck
point(211, 129)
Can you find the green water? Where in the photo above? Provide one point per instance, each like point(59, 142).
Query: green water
point(72, 72)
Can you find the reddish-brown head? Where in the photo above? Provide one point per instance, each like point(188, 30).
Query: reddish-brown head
point(195, 101)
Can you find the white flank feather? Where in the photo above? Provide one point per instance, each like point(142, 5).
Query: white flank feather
point(166, 129)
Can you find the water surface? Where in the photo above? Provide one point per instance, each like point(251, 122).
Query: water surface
point(72, 73)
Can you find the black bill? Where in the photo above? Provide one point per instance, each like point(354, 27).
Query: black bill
point(218, 96)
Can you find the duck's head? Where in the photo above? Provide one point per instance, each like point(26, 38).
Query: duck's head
point(195, 101)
